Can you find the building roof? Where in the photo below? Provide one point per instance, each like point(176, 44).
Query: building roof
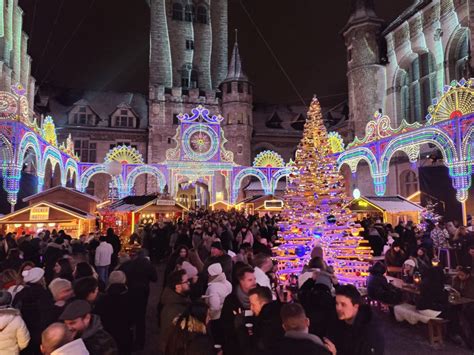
point(393, 204)
point(131, 203)
point(56, 188)
point(257, 186)
point(362, 11)
point(405, 15)
point(59, 102)
point(235, 71)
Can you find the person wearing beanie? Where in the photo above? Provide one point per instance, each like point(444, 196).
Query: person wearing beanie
point(14, 335)
point(396, 256)
point(217, 290)
point(117, 297)
point(61, 289)
point(83, 324)
point(35, 303)
point(218, 255)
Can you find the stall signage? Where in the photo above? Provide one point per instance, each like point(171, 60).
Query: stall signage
point(273, 204)
point(39, 214)
point(165, 202)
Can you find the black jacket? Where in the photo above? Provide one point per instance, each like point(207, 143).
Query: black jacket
point(233, 336)
point(97, 340)
point(298, 343)
point(362, 337)
point(116, 298)
point(140, 272)
point(267, 328)
point(379, 289)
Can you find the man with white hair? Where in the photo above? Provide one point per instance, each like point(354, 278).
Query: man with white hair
point(61, 289)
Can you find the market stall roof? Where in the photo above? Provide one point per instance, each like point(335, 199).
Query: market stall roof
point(59, 188)
point(257, 186)
point(138, 203)
point(391, 204)
point(259, 201)
point(44, 212)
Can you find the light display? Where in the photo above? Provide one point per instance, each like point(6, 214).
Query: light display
point(314, 212)
point(49, 131)
point(124, 155)
point(144, 169)
point(268, 159)
point(335, 142)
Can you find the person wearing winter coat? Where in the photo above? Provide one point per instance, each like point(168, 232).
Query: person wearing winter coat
point(61, 289)
point(117, 298)
point(378, 287)
point(395, 256)
point(58, 340)
point(14, 335)
point(34, 303)
point(297, 338)
point(217, 290)
point(79, 320)
point(103, 258)
point(188, 334)
point(174, 301)
point(355, 332)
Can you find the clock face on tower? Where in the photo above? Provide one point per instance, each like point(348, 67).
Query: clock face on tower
point(200, 142)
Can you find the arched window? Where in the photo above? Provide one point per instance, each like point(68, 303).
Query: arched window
point(194, 79)
point(421, 85)
point(90, 188)
point(189, 13)
point(185, 77)
point(408, 183)
point(177, 11)
point(403, 100)
point(202, 15)
point(458, 54)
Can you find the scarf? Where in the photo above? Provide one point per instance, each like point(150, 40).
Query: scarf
point(242, 297)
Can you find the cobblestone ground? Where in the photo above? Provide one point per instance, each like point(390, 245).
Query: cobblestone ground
point(400, 338)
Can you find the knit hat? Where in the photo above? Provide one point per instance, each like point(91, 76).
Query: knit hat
point(191, 271)
point(75, 309)
point(117, 277)
point(5, 298)
point(33, 275)
point(58, 285)
point(409, 262)
point(214, 269)
point(217, 245)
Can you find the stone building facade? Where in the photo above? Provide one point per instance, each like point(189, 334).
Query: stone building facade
point(399, 68)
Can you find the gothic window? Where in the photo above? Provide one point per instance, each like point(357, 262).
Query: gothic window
point(185, 72)
point(189, 13)
point(177, 11)
point(189, 44)
point(421, 86)
point(82, 116)
point(202, 15)
point(403, 99)
point(458, 54)
point(194, 79)
point(408, 183)
point(86, 150)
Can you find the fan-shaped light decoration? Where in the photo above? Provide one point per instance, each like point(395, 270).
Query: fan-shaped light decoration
point(457, 100)
point(49, 131)
point(268, 159)
point(336, 142)
point(125, 155)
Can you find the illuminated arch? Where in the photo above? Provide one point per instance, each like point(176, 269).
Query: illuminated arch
point(54, 156)
point(249, 172)
point(71, 165)
point(99, 169)
point(6, 150)
point(30, 140)
point(145, 169)
point(427, 135)
point(354, 156)
point(467, 143)
point(277, 176)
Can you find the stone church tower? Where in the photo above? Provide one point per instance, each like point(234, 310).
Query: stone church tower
point(188, 63)
point(365, 72)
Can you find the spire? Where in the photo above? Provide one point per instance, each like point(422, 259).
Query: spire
point(235, 71)
point(362, 11)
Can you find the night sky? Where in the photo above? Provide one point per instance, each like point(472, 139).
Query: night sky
point(103, 44)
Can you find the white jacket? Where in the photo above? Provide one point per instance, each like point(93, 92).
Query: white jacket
point(217, 290)
point(14, 335)
point(75, 347)
point(103, 254)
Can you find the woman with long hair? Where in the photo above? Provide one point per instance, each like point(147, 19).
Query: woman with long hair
point(189, 333)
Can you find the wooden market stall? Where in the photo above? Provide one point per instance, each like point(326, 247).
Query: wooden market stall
point(391, 209)
point(132, 212)
point(261, 204)
point(56, 208)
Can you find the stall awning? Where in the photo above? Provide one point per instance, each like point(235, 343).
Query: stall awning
point(390, 204)
point(140, 203)
point(44, 212)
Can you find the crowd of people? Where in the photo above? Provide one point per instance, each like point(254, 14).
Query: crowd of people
point(220, 295)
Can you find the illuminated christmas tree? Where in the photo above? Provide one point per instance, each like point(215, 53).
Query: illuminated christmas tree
point(314, 212)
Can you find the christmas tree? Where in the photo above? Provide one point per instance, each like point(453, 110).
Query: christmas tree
point(315, 213)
